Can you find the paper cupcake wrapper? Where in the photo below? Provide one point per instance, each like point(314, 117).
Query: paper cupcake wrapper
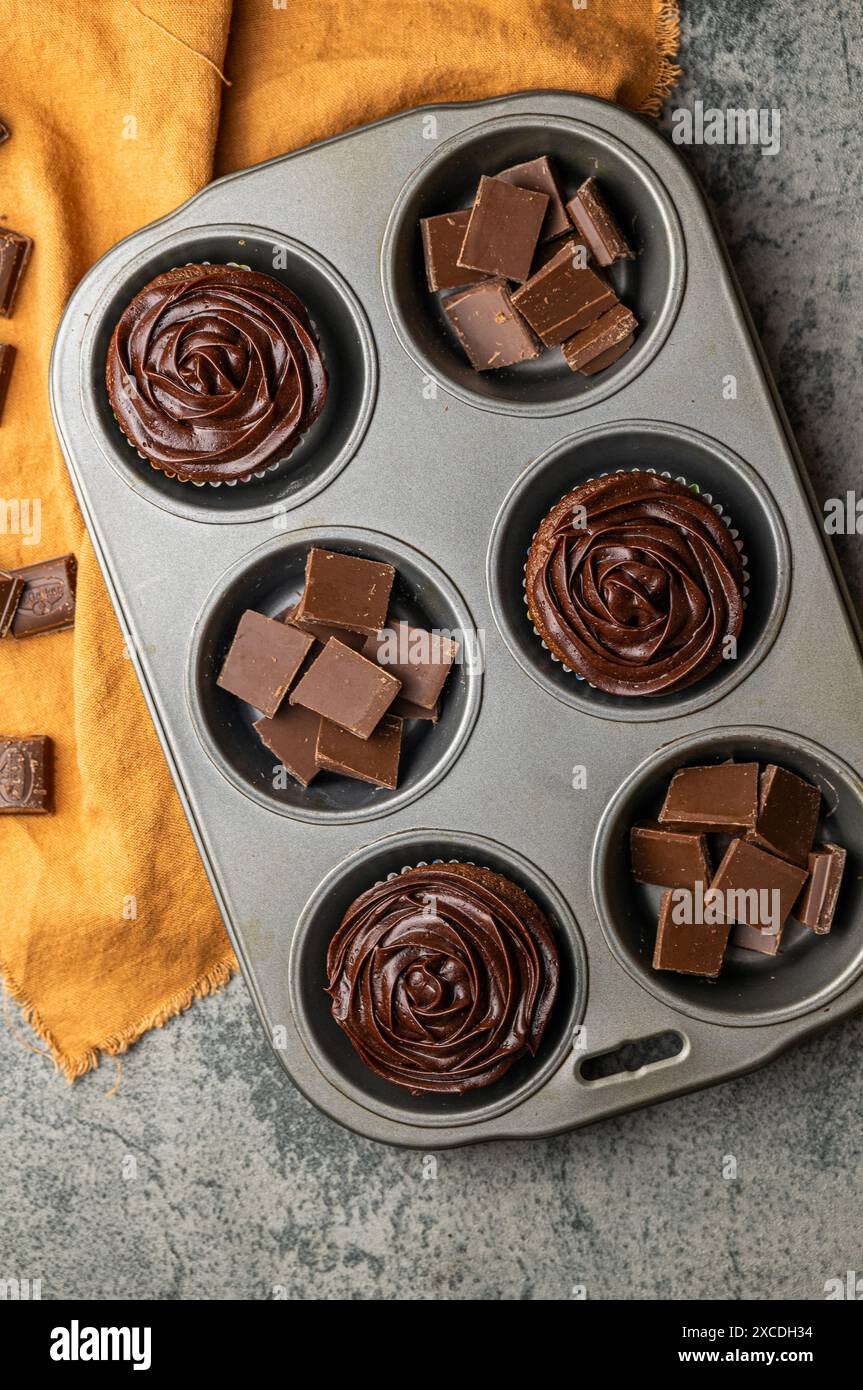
point(676, 478)
point(427, 864)
point(225, 482)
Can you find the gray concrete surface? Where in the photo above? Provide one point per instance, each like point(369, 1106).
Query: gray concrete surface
point(207, 1176)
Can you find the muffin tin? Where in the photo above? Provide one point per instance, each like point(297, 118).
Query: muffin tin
point(447, 473)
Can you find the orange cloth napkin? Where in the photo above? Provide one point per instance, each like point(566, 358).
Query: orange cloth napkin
point(107, 926)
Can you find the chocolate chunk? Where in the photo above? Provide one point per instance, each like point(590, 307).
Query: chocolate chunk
point(746, 881)
point(374, 759)
point(580, 253)
point(8, 353)
point(723, 796)
point(10, 589)
point(26, 776)
point(345, 591)
point(344, 687)
point(816, 907)
point(406, 709)
point(788, 809)
point(421, 660)
point(600, 338)
point(292, 734)
point(538, 176)
point(47, 601)
point(672, 858)
point(4, 132)
point(605, 359)
point(503, 229)
point(689, 947)
point(442, 238)
point(597, 224)
point(322, 632)
point(15, 249)
point(564, 296)
point(263, 659)
point(754, 939)
point(489, 328)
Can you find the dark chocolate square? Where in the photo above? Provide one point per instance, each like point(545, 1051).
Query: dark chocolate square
point(668, 857)
point(489, 327)
point(600, 338)
point(263, 660)
point(598, 225)
point(344, 687)
point(26, 776)
point(816, 907)
point(15, 249)
point(345, 591)
point(746, 869)
point(564, 296)
point(689, 948)
point(374, 759)
point(8, 353)
point(722, 796)
point(47, 601)
point(767, 943)
point(421, 660)
point(538, 175)
point(607, 358)
point(503, 229)
point(788, 809)
point(11, 586)
point(292, 735)
point(442, 238)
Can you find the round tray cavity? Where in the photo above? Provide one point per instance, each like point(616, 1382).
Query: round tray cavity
point(752, 989)
point(270, 579)
point(734, 488)
point(331, 1049)
point(346, 344)
point(651, 285)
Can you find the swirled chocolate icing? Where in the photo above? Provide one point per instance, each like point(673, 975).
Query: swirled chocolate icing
point(442, 977)
point(213, 372)
point(633, 581)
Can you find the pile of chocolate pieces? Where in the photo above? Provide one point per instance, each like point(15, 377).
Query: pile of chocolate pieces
point(333, 680)
point(563, 297)
point(764, 822)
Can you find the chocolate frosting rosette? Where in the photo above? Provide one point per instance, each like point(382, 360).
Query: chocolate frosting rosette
point(213, 372)
point(442, 977)
point(633, 581)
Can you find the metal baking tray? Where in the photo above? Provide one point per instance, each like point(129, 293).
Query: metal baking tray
point(447, 473)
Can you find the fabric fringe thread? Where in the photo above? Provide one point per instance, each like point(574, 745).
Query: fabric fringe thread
point(667, 29)
point(73, 1066)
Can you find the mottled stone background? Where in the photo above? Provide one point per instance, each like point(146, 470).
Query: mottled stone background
point(241, 1185)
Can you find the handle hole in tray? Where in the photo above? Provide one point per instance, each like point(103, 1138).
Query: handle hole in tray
point(752, 988)
point(736, 493)
point(630, 1057)
point(347, 348)
point(331, 1049)
point(270, 580)
point(651, 285)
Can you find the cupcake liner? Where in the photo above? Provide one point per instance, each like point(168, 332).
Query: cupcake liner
point(226, 482)
point(428, 863)
point(718, 507)
point(468, 864)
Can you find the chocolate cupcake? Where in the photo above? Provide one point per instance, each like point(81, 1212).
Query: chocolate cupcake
point(442, 977)
point(214, 373)
point(634, 582)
